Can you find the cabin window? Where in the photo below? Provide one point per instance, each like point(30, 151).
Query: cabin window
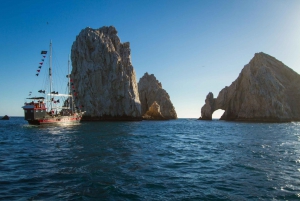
point(25, 111)
point(31, 110)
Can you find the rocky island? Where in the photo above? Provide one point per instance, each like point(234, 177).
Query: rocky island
point(5, 117)
point(103, 78)
point(266, 90)
point(155, 101)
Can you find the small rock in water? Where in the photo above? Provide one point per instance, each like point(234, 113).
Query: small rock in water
point(5, 117)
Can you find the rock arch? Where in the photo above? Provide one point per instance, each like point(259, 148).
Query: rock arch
point(211, 105)
point(217, 114)
point(266, 90)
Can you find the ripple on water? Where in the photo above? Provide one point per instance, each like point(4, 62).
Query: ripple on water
point(150, 160)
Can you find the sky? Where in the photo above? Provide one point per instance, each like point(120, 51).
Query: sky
point(193, 47)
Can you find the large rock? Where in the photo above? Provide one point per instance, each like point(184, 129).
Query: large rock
point(265, 90)
point(151, 90)
point(103, 76)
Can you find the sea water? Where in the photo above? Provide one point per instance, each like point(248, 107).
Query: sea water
point(182, 159)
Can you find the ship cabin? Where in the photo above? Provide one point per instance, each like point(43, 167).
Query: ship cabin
point(35, 109)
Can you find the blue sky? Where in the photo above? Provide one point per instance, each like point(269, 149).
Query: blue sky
point(193, 47)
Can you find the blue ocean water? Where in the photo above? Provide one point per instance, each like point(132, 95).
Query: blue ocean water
point(182, 159)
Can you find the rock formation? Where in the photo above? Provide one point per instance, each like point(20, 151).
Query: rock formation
point(150, 90)
point(154, 113)
point(265, 91)
point(5, 117)
point(103, 77)
point(208, 108)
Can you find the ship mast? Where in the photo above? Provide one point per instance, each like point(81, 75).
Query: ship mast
point(50, 74)
point(69, 85)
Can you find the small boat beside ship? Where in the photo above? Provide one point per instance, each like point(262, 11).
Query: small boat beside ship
point(49, 110)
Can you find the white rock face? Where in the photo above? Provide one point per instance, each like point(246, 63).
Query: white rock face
point(151, 90)
point(103, 76)
point(265, 90)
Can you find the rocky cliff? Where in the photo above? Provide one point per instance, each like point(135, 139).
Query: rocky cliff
point(103, 78)
point(150, 90)
point(265, 90)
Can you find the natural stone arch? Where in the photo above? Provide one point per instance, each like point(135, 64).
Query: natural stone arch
point(217, 114)
point(211, 105)
point(266, 90)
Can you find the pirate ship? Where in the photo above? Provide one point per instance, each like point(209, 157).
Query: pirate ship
point(48, 109)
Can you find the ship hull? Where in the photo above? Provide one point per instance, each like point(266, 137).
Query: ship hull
point(55, 120)
point(35, 114)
